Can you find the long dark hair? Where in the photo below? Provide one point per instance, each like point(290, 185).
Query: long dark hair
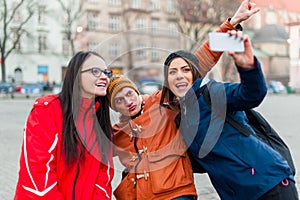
point(167, 95)
point(70, 97)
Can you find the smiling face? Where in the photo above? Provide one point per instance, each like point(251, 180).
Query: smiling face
point(127, 102)
point(93, 86)
point(180, 77)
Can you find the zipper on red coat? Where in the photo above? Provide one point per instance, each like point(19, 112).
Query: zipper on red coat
point(74, 185)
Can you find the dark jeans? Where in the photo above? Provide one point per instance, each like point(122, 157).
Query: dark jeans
point(186, 197)
point(285, 190)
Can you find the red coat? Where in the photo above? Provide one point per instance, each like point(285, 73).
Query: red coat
point(43, 173)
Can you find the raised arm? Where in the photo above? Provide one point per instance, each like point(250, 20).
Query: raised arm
point(207, 59)
point(252, 89)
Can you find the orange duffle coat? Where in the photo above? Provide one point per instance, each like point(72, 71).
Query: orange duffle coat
point(152, 149)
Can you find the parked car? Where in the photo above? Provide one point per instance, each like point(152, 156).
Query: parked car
point(46, 86)
point(276, 87)
point(149, 86)
point(7, 88)
point(29, 89)
point(18, 88)
point(56, 89)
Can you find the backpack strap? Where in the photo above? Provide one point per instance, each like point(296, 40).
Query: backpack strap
point(242, 129)
point(263, 130)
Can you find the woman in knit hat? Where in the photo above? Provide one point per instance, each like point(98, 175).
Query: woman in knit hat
point(147, 140)
point(239, 166)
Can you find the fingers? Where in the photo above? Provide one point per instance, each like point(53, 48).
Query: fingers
point(244, 59)
point(237, 34)
point(252, 8)
point(244, 12)
point(249, 5)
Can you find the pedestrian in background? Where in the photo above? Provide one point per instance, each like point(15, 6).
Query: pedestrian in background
point(66, 151)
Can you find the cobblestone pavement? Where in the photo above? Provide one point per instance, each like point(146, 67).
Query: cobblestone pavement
point(282, 111)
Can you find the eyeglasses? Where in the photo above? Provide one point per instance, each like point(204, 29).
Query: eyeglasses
point(97, 72)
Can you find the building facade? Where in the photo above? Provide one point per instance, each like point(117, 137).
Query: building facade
point(134, 36)
point(281, 57)
point(42, 53)
point(294, 28)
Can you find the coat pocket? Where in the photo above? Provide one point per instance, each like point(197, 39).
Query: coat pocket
point(126, 189)
point(172, 176)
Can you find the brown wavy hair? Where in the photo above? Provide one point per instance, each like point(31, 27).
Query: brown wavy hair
point(167, 95)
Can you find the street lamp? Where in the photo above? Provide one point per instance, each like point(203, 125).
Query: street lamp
point(79, 29)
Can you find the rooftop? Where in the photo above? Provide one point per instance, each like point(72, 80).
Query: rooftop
point(270, 33)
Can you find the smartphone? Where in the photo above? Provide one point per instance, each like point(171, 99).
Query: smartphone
point(224, 42)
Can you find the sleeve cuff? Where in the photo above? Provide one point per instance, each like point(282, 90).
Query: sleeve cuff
point(239, 27)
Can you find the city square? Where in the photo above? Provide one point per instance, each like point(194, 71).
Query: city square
point(39, 40)
point(282, 111)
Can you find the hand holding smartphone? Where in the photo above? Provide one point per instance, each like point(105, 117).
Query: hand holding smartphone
point(224, 42)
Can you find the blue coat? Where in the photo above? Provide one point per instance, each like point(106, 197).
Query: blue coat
point(239, 167)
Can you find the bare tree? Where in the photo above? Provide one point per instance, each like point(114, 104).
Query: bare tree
point(128, 18)
point(71, 9)
point(198, 17)
point(13, 18)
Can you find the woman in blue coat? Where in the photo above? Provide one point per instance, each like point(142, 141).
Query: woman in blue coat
point(240, 167)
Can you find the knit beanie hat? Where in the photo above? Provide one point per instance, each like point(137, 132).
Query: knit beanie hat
point(189, 57)
point(116, 84)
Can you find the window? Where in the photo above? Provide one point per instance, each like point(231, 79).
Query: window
point(141, 51)
point(42, 43)
point(154, 54)
point(172, 29)
point(92, 18)
point(171, 6)
point(135, 4)
point(154, 5)
point(154, 26)
point(114, 2)
point(41, 14)
point(92, 46)
point(271, 17)
point(140, 24)
point(17, 17)
point(65, 47)
point(114, 50)
point(15, 37)
point(114, 23)
point(18, 46)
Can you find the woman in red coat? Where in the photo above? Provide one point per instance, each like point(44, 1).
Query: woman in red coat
point(66, 151)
